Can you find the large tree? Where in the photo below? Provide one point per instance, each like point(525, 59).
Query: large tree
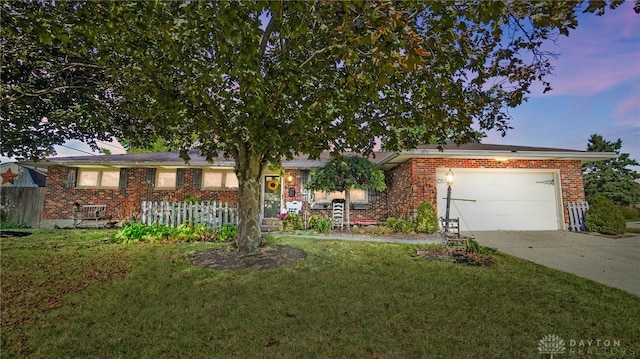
point(261, 80)
point(612, 179)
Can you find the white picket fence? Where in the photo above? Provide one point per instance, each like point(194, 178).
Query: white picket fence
point(175, 213)
point(577, 214)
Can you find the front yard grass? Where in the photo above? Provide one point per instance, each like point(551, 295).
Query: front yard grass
point(69, 293)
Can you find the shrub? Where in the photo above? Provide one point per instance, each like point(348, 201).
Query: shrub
point(604, 217)
point(131, 232)
point(427, 218)
point(13, 225)
point(319, 223)
point(292, 222)
point(186, 232)
point(228, 232)
point(629, 213)
point(323, 225)
point(311, 222)
point(399, 225)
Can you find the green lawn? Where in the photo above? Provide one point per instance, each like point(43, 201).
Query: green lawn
point(68, 293)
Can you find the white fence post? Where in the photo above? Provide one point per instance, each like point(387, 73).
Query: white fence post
point(577, 214)
point(175, 213)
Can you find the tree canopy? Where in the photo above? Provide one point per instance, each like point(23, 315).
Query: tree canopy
point(53, 89)
point(612, 179)
point(261, 80)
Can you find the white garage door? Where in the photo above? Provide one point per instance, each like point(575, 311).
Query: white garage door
point(501, 199)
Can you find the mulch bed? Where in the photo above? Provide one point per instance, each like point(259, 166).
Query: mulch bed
point(269, 256)
point(9, 234)
point(455, 255)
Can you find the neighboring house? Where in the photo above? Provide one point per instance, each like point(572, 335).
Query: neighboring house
point(21, 194)
point(496, 187)
point(16, 175)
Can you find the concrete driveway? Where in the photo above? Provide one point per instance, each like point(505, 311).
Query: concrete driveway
point(613, 262)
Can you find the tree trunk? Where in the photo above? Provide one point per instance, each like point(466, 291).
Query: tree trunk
point(249, 171)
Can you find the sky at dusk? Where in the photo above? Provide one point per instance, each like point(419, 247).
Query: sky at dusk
point(596, 89)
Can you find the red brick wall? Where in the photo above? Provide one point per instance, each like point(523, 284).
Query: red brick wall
point(422, 172)
point(407, 185)
point(376, 209)
point(120, 202)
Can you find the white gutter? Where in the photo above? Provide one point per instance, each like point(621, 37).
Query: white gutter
point(585, 156)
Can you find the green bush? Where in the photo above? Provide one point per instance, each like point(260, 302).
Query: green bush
point(292, 222)
point(629, 213)
point(427, 218)
point(228, 232)
point(313, 219)
point(12, 225)
point(319, 223)
point(604, 217)
point(399, 225)
point(186, 232)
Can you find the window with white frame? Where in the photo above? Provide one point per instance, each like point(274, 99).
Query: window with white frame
point(165, 178)
point(357, 195)
point(219, 179)
point(98, 178)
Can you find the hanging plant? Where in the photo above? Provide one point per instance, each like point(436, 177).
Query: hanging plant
point(273, 184)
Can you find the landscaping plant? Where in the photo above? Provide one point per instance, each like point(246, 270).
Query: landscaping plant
point(427, 218)
point(292, 222)
point(399, 225)
point(186, 232)
point(319, 223)
point(604, 217)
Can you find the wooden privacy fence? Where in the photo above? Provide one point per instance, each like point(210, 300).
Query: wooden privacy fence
point(577, 214)
point(22, 205)
point(175, 213)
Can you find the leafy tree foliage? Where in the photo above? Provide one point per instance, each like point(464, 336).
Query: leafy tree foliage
point(343, 174)
point(261, 80)
point(613, 178)
point(53, 88)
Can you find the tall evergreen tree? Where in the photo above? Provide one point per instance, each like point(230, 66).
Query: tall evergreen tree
point(613, 178)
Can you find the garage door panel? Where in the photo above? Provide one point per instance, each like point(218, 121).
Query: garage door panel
point(501, 200)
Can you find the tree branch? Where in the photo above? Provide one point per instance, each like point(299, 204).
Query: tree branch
point(46, 91)
point(266, 35)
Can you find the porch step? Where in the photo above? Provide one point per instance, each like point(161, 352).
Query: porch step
point(264, 228)
point(271, 225)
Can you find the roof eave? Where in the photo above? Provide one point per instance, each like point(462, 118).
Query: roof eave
point(582, 156)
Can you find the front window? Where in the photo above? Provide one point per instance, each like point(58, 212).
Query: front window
point(357, 195)
point(219, 179)
point(166, 179)
point(98, 178)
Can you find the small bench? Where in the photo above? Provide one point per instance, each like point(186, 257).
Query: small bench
point(88, 212)
point(364, 222)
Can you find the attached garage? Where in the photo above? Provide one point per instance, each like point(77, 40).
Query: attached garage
point(502, 199)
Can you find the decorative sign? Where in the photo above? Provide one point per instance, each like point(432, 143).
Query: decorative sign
point(8, 177)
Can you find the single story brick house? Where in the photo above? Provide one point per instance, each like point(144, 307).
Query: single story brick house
point(496, 187)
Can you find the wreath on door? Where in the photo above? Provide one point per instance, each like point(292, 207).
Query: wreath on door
point(273, 184)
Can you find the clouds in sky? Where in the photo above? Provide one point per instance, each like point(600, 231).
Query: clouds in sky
point(596, 88)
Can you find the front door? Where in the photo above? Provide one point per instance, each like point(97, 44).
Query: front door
point(272, 196)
